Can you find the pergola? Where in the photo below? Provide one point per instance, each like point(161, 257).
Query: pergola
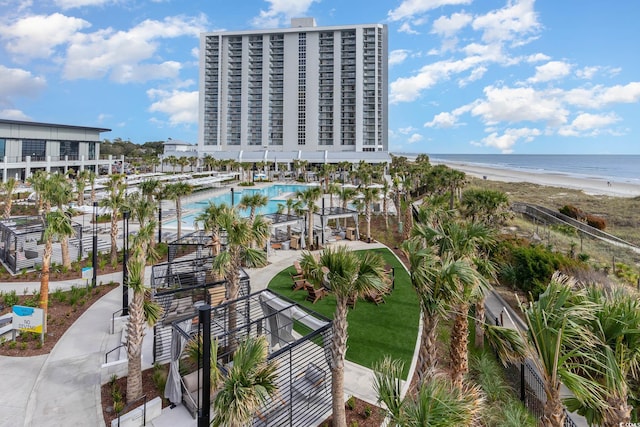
point(280, 220)
point(326, 214)
point(21, 242)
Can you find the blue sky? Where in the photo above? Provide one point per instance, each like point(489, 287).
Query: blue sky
point(483, 76)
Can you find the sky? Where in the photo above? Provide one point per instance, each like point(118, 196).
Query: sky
point(465, 76)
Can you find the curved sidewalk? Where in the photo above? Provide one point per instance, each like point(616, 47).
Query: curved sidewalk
point(63, 387)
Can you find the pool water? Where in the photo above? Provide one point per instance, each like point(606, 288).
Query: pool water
point(276, 194)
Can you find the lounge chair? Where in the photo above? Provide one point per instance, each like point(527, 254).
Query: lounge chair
point(315, 294)
point(374, 296)
point(299, 284)
point(310, 382)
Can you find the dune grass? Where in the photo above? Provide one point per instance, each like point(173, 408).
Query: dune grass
point(374, 330)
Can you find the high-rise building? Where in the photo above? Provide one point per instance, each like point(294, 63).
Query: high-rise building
point(305, 92)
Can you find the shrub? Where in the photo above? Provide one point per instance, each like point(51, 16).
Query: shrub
point(11, 298)
point(159, 377)
point(565, 229)
point(572, 212)
point(596, 222)
point(367, 411)
point(351, 403)
point(583, 257)
point(59, 296)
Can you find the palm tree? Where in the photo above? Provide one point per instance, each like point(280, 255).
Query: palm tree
point(140, 310)
point(91, 178)
point(435, 280)
point(182, 161)
point(115, 200)
point(241, 235)
point(486, 206)
point(38, 182)
point(461, 241)
point(249, 383)
point(176, 191)
point(209, 220)
point(7, 189)
point(253, 202)
point(616, 325)
point(437, 402)
point(384, 191)
point(309, 198)
point(293, 206)
point(369, 195)
point(561, 347)
point(81, 183)
point(346, 194)
point(58, 225)
point(349, 275)
point(59, 192)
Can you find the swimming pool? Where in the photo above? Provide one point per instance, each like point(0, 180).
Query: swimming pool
point(276, 194)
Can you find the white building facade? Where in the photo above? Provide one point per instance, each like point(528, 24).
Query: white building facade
point(305, 92)
point(29, 146)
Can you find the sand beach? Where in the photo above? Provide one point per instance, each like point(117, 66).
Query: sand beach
point(593, 186)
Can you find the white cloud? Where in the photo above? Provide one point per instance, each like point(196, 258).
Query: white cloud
point(587, 73)
point(17, 82)
point(416, 137)
point(552, 70)
point(449, 26)
point(37, 36)
point(516, 20)
point(586, 124)
point(442, 120)
point(120, 54)
point(280, 11)
point(12, 114)
point(405, 27)
point(505, 104)
point(406, 89)
point(398, 56)
point(70, 4)
point(476, 74)
point(537, 57)
point(180, 106)
point(409, 8)
point(600, 96)
point(509, 138)
point(406, 130)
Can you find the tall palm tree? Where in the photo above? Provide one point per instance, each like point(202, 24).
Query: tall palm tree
point(57, 225)
point(253, 202)
point(369, 195)
point(346, 194)
point(91, 179)
point(309, 198)
point(38, 182)
point(115, 199)
point(241, 235)
point(81, 182)
point(208, 218)
point(59, 192)
point(249, 383)
point(349, 275)
point(293, 207)
point(436, 403)
point(176, 191)
point(436, 280)
point(7, 189)
point(140, 310)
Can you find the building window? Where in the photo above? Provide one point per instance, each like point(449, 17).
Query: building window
point(3, 149)
point(92, 151)
point(34, 148)
point(69, 148)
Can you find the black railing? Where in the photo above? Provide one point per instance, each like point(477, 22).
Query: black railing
point(113, 320)
point(526, 381)
point(106, 356)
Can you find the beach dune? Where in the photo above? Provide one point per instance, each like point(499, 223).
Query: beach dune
point(588, 185)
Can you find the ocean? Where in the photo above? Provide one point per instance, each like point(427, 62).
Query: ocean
point(616, 168)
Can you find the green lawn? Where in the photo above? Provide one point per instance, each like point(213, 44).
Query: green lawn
point(374, 330)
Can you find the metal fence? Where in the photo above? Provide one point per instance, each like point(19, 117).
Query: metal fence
point(527, 383)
